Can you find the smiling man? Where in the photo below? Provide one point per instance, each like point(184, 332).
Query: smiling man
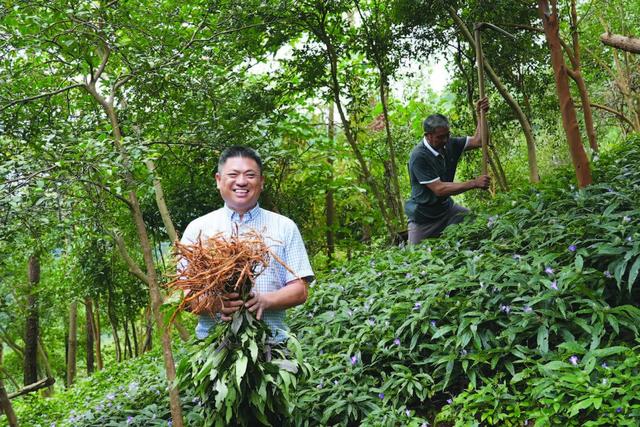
point(432, 169)
point(240, 182)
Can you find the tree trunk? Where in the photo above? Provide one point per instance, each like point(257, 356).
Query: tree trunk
point(576, 75)
point(73, 343)
point(148, 341)
point(629, 44)
point(114, 327)
point(88, 313)
point(5, 405)
point(44, 361)
point(134, 335)
point(32, 324)
point(97, 332)
point(161, 203)
point(127, 340)
point(569, 119)
point(330, 207)
point(396, 195)
point(534, 175)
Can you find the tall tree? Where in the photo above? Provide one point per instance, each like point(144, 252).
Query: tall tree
point(549, 16)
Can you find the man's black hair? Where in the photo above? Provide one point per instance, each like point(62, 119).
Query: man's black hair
point(434, 121)
point(239, 151)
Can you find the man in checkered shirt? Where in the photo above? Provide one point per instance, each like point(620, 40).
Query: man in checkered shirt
point(240, 181)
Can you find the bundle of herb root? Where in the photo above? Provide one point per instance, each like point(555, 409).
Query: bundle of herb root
point(237, 375)
point(217, 266)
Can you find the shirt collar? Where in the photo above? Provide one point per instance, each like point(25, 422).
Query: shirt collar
point(248, 216)
point(429, 147)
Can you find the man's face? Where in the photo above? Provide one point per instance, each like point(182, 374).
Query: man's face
point(438, 138)
point(240, 183)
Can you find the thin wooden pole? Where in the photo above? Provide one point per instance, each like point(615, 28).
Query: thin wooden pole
point(483, 117)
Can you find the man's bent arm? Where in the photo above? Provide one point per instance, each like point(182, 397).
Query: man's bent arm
point(444, 189)
point(294, 293)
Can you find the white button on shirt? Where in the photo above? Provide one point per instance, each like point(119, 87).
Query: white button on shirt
point(281, 235)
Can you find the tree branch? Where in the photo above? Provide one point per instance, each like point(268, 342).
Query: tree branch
point(134, 268)
point(613, 111)
point(42, 95)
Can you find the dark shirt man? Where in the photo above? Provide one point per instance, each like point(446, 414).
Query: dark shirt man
point(432, 169)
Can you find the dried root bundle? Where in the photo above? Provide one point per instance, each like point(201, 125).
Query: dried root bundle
point(217, 266)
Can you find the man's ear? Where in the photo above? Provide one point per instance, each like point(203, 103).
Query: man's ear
point(217, 176)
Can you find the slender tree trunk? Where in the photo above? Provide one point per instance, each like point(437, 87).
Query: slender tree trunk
point(396, 196)
point(73, 343)
point(97, 332)
point(127, 340)
point(114, 327)
point(88, 313)
point(534, 175)
point(5, 405)
point(148, 341)
point(32, 324)
point(330, 207)
point(134, 334)
point(43, 357)
point(569, 119)
point(576, 75)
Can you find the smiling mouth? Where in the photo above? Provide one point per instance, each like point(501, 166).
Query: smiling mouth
point(241, 191)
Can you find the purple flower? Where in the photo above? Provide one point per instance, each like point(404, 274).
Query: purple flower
point(169, 423)
point(449, 401)
point(417, 306)
point(463, 352)
point(549, 271)
point(433, 323)
point(554, 285)
point(629, 239)
point(381, 395)
point(607, 274)
point(111, 396)
point(408, 276)
point(354, 360)
point(505, 309)
point(335, 382)
point(372, 322)
point(517, 257)
point(527, 309)
point(572, 248)
point(604, 365)
point(320, 385)
point(574, 360)
point(396, 341)
point(408, 413)
point(618, 409)
point(626, 219)
point(129, 419)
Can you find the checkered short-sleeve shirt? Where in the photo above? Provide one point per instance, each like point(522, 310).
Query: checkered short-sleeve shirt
point(283, 238)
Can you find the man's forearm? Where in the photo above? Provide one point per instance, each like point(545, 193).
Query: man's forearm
point(295, 293)
point(444, 189)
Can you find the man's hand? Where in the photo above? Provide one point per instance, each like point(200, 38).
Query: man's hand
point(230, 304)
point(482, 104)
point(257, 303)
point(482, 181)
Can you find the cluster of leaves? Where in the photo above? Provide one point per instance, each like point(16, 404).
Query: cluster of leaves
point(239, 378)
point(545, 289)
